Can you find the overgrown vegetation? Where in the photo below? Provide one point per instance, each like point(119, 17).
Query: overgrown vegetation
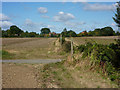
point(61, 39)
point(66, 45)
point(104, 56)
point(69, 33)
point(104, 59)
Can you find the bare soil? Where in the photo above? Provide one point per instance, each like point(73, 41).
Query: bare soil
point(19, 76)
point(31, 48)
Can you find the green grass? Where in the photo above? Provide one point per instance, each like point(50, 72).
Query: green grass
point(6, 55)
point(56, 73)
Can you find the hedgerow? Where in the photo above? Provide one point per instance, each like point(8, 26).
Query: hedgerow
point(105, 56)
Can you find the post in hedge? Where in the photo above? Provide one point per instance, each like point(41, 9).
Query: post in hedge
point(61, 39)
point(71, 48)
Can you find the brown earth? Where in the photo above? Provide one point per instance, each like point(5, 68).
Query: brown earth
point(30, 48)
point(19, 76)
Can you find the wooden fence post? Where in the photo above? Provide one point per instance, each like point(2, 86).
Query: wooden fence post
point(61, 39)
point(71, 48)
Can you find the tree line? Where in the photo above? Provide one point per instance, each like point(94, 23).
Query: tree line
point(15, 31)
point(106, 31)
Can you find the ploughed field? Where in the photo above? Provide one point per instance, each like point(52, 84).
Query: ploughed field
point(42, 48)
point(29, 48)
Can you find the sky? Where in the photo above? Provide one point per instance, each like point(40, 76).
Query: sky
point(76, 16)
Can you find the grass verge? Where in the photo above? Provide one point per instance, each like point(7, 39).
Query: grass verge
point(63, 75)
point(6, 55)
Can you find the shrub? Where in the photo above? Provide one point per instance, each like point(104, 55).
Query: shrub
point(66, 46)
point(107, 54)
point(116, 49)
point(63, 39)
point(81, 48)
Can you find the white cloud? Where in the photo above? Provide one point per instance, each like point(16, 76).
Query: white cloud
point(3, 17)
point(63, 17)
point(98, 7)
point(29, 22)
point(5, 24)
point(61, 12)
point(4, 21)
point(29, 25)
point(42, 10)
point(50, 26)
point(74, 24)
point(79, 1)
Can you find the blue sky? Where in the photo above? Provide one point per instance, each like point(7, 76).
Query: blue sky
point(79, 16)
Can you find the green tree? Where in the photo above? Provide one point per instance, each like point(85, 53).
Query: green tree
point(117, 15)
point(91, 33)
point(15, 31)
point(4, 33)
point(32, 34)
point(71, 34)
point(98, 32)
point(107, 31)
point(45, 31)
point(64, 32)
point(8, 32)
point(117, 33)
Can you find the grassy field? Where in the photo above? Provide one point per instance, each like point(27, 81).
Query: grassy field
point(100, 40)
point(29, 48)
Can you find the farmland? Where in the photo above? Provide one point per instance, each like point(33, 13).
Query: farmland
point(42, 48)
point(100, 40)
point(54, 74)
point(30, 48)
point(56, 45)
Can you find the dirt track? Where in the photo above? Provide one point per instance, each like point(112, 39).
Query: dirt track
point(19, 76)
